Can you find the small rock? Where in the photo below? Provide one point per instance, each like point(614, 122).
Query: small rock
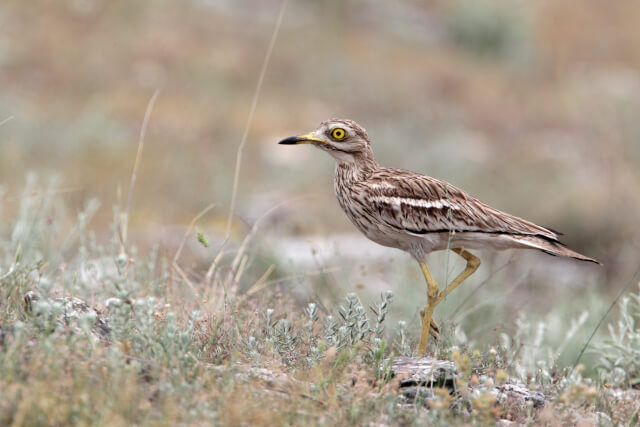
point(415, 371)
point(73, 310)
point(518, 393)
point(418, 376)
point(415, 393)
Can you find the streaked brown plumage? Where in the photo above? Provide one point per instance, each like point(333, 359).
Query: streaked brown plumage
point(419, 214)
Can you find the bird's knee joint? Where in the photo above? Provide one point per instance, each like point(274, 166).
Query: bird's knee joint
point(473, 262)
point(435, 298)
point(432, 293)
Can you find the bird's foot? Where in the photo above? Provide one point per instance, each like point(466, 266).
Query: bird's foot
point(434, 330)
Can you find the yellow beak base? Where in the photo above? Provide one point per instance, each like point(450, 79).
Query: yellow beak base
point(307, 138)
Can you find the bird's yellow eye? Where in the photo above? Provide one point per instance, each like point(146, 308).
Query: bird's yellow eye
point(338, 134)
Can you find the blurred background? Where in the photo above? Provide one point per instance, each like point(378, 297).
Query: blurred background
point(531, 106)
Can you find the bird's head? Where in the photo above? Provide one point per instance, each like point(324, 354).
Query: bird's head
point(344, 139)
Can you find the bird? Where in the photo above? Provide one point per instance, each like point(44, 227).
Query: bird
point(419, 214)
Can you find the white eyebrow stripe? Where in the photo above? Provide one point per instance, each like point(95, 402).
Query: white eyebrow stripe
point(421, 203)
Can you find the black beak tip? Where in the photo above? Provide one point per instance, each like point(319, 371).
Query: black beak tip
point(289, 141)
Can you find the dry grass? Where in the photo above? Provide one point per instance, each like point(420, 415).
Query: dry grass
point(210, 352)
point(516, 103)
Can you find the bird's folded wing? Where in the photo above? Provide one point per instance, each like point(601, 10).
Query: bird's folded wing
point(418, 204)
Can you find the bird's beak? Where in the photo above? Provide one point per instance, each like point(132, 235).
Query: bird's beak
point(307, 138)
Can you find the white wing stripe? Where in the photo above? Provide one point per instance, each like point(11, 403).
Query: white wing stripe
point(437, 204)
point(382, 185)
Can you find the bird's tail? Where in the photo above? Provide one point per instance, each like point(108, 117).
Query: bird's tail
point(551, 247)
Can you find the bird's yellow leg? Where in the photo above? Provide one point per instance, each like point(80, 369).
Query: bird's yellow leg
point(473, 262)
point(435, 296)
point(427, 313)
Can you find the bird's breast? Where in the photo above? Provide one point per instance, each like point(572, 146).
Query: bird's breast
point(366, 218)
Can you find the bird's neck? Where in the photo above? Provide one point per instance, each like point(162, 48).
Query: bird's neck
point(356, 167)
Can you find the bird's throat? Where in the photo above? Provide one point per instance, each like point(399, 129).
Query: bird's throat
point(350, 172)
